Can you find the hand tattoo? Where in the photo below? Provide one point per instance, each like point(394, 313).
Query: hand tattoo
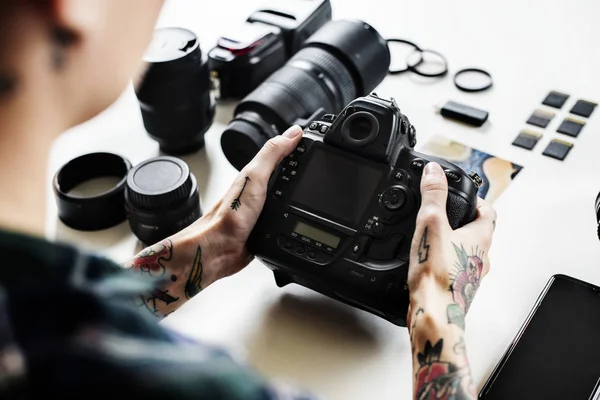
point(238, 200)
point(160, 295)
point(151, 260)
point(423, 247)
point(193, 286)
point(437, 379)
point(465, 280)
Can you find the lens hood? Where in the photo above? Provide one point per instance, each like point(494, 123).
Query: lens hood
point(97, 212)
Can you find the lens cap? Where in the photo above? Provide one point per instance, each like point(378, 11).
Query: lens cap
point(160, 182)
point(172, 44)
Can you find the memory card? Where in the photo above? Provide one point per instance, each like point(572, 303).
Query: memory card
point(555, 99)
point(571, 127)
point(527, 139)
point(540, 118)
point(583, 108)
point(558, 149)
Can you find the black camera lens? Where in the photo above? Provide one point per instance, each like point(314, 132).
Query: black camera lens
point(161, 198)
point(360, 128)
point(175, 92)
point(342, 61)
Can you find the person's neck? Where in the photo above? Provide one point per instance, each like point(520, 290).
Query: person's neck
point(28, 125)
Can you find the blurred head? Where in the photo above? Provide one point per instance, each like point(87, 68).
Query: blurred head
point(78, 55)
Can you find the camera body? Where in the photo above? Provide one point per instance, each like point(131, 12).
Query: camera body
point(341, 209)
point(246, 56)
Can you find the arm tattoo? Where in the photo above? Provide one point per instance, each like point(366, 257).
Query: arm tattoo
point(466, 278)
point(193, 286)
point(423, 247)
point(438, 379)
point(151, 261)
point(238, 200)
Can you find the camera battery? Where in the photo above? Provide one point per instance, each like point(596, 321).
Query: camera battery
point(571, 127)
point(555, 99)
point(527, 139)
point(583, 108)
point(540, 118)
point(558, 149)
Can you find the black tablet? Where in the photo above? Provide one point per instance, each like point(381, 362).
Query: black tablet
point(556, 354)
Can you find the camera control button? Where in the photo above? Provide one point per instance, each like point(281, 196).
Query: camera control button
point(323, 129)
point(400, 175)
point(452, 176)
point(285, 179)
point(417, 165)
point(393, 198)
point(358, 247)
point(301, 149)
point(313, 126)
point(287, 244)
point(312, 254)
point(292, 163)
point(300, 250)
point(278, 193)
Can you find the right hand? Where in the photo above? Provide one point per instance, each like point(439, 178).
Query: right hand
point(447, 266)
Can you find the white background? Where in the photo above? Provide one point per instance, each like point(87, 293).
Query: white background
point(546, 217)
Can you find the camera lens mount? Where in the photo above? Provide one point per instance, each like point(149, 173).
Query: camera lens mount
point(360, 128)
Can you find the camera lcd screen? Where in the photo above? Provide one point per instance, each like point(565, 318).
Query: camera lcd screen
point(337, 186)
point(317, 234)
point(556, 354)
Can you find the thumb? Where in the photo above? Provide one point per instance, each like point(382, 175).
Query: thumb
point(434, 188)
point(273, 152)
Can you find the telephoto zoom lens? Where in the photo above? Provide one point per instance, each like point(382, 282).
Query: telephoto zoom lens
point(175, 92)
point(342, 61)
point(161, 198)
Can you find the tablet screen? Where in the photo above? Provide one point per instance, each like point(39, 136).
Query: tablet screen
point(557, 356)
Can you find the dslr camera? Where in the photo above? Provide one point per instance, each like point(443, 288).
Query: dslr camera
point(246, 56)
point(341, 209)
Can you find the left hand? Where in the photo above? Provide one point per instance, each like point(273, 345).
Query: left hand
point(229, 223)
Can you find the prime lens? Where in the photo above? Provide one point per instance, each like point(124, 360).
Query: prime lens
point(342, 61)
point(175, 92)
point(161, 198)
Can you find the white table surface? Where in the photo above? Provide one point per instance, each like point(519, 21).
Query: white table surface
point(546, 218)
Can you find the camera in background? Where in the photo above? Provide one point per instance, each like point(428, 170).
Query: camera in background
point(341, 210)
point(342, 61)
point(246, 56)
point(175, 93)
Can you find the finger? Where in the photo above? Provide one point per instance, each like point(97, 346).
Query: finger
point(432, 219)
point(434, 194)
point(486, 219)
point(272, 153)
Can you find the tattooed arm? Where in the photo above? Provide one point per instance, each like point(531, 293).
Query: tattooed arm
point(214, 246)
point(446, 268)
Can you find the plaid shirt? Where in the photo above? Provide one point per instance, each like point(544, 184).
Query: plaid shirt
point(69, 327)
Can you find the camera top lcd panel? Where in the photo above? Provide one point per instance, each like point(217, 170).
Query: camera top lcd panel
point(248, 54)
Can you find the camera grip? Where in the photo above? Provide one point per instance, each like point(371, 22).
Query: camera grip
point(460, 210)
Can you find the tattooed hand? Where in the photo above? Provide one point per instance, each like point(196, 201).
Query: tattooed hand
point(215, 245)
point(451, 262)
point(446, 269)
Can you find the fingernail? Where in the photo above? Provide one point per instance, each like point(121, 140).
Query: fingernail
point(292, 132)
point(433, 168)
